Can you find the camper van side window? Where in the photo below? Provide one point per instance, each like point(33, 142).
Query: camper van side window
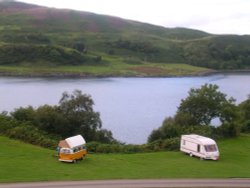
point(198, 148)
point(184, 142)
point(65, 151)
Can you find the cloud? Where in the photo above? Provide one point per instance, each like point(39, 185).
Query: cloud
point(214, 16)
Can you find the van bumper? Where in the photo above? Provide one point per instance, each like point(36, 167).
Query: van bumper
point(216, 158)
point(213, 158)
point(64, 160)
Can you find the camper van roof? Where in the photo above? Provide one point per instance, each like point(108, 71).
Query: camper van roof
point(75, 141)
point(202, 139)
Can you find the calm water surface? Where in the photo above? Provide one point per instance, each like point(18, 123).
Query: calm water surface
point(130, 107)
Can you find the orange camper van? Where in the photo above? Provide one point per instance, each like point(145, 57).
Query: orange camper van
point(72, 149)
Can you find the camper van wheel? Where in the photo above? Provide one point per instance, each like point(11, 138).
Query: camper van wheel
point(190, 154)
point(82, 157)
point(74, 161)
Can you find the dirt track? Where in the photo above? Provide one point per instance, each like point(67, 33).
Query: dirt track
point(239, 183)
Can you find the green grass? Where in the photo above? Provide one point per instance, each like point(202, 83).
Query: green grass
point(21, 162)
point(112, 68)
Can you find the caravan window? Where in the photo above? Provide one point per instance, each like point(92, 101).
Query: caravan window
point(198, 148)
point(210, 148)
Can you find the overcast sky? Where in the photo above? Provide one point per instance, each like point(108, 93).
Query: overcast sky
point(213, 16)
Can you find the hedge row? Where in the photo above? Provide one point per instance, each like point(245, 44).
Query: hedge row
point(159, 145)
point(26, 133)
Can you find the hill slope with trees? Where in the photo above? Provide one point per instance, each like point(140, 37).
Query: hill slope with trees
point(32, 35)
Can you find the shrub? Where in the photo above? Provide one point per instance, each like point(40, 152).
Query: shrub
point(228, 130)
point(32, 135)
point(132, 148)
point(96, 147)
point(6, 123)
point(246, 127)
point(171, 144)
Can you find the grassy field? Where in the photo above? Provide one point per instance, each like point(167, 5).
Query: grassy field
point(109, 69)
point(21, 162)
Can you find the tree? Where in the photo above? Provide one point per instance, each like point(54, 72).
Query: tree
point(23, 114)
point(77, 108)
point(244, 109)
point(105, 136)
point(74, 115)
point(50, 119)
point(184, 119)
point(199, 108)
point(206, 103)
point(168, 130)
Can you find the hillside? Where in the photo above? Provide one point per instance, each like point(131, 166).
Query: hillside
point(38, 36)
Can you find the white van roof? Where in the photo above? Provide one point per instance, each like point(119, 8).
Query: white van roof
point(202, 139)
point(75, 141)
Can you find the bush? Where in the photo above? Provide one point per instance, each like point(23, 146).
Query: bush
point(6, 123)
point(228, 130)
point(96, 147)
point(132, 148)
point(171, 144)
point(92, 146)
point(18, 53)
point(154, 146)
point(168, 130)
point(205, 130)
point(246, 127)
point(32, 135)
point(26, 132)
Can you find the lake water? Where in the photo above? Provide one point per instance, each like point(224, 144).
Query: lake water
point(130, 107)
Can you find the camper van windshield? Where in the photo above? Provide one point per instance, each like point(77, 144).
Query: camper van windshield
point(65, 151)
point(210, 148)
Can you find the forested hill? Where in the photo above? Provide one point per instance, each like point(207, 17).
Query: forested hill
point(31, 34)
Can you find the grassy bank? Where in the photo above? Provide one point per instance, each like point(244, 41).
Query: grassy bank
point(23, 162)
point(105, 70)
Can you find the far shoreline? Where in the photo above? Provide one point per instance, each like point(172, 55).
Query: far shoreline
point(67, 75)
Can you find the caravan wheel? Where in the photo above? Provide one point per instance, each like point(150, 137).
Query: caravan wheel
point(190, 154)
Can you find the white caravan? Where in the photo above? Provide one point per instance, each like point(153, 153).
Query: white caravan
point(200, 146)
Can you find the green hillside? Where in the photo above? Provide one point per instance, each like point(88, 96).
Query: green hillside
point(23, 163)
point(34, 36)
